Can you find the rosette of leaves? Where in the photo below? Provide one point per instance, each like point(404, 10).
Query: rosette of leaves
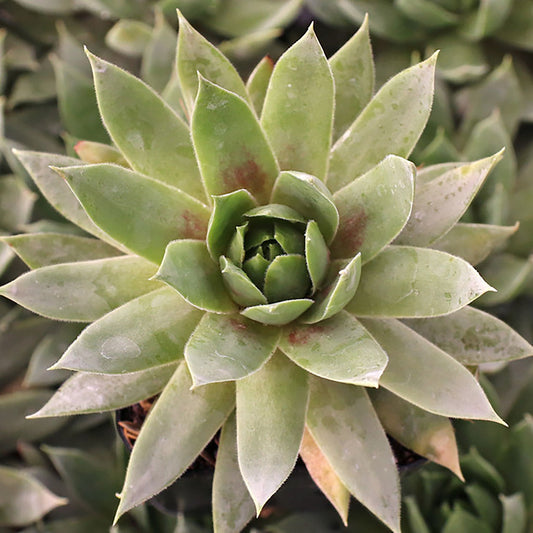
point(251, 264)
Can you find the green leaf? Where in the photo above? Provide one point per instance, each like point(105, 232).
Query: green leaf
point(409, 282)
point(286, 278)
point(271, 407)
point(310, 197)
point(188, 268)
point(279, 313)
point(473, 337)
point(228, 347)
point(44, 249)
point(324, 476)
point(374, 209)
point(297, 115)
point(444, 387)
point(474, 242)
point(427, 13)
point(517, 28)
point(149, 331)
point(232, 506)
point(24, 499)
point(227, 214)
point(316, 255)
point(345, 427)
point(339, 349)
point(463, 521)
point(514, 513)
point(439, 204)
point(93, 393)
point(171, 439)
point(257, 83)
point(276, 211)
point(334, 297)
point(240, 286)
point(414, 516)
point(232, 150)
point(141, 213)
point(128, 37)
point(51, 7)
point(431, 436)
point(16, 203)
point(153, 139)
point(84, 291)
point(93, 152)
point(353, 71)
point(195, 55)
point(485, 20)
point(391, 123)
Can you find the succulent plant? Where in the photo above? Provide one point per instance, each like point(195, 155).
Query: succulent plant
point(251, 264)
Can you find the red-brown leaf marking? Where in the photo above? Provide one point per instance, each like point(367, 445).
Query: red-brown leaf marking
point(193, 226)
point(248, 175)
point(302, 335)
point(351, 234)
point(236, 325)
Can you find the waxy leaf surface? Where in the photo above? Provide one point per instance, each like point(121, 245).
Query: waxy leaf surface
point(458, 396)
point(316, 255)
point(257, 83)
point(271, 407)
point(141, 213)
point(339, 349)
point(405, 282)
point(149, 331)
point(239, 285)
point(84, 291)
point(153, 139)
point(390, 124)
point(279, 313)
point(297, 115)
point(232, 149)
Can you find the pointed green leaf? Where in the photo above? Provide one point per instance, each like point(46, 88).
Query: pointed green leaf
point(345, 427)
point(464, 521)
point(93, 393)
point(153, 139)
point(24, 499)
point(297, 115)
point(233, 507)
point(431, 436)
point(517, 28)
point(171, 439)
point(324, 476)
point(374, 209)
point(188, 268)
point(257, 83)
point(236, 251)
point(231, 148)
point(289, 237)
point(84, 291)
point(339, 349)
point(427, 13)
point(93, 152)
point(413, 515)
point(228, 347)
point(44, 249)
point(439, 204)
point(271, 407)
point(443, 387)
point(239, 285)
point(474, 242)
point(353, 71)
point(142, 213)
point(195, 55)
point(482, 22)
point(286, 278)
point(316, 255)
point(16, 203)
point(128, 37)
point(390, 124)
point(227, 214)
point(473, 337)
point(276, 211)
point(514, 513)
point(310, 197)
point(409, 282)
point(149, 331)
point(334, 297)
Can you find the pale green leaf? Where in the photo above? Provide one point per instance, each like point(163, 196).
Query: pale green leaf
point(279, 313)
point(16, 203)
point(339, 349)
point(461, 520)
point(271, 407)
point(347, 431)
point(353, 71)
point(427, 13)
point(391, 123)
point(93, 393)
point(485, 20)
point(188, 268)
point(286, 278)
point(149, 331)
point(232, 150)
point(409, 282)
point(424, 375)
point(514, 513)
point(239, 285)
point(298, 115)
point(50, 7)
point(473, 337)
point(128, 37)
point(439, 204)
point(257, 83)
point(24, 499)
point(316, 255)
point(517, 28)
point(93, 152)
point(84, 291)
point(228, 347)
point(171, 438)
point(276, 211)
point(141, 213)
point(374, 209)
